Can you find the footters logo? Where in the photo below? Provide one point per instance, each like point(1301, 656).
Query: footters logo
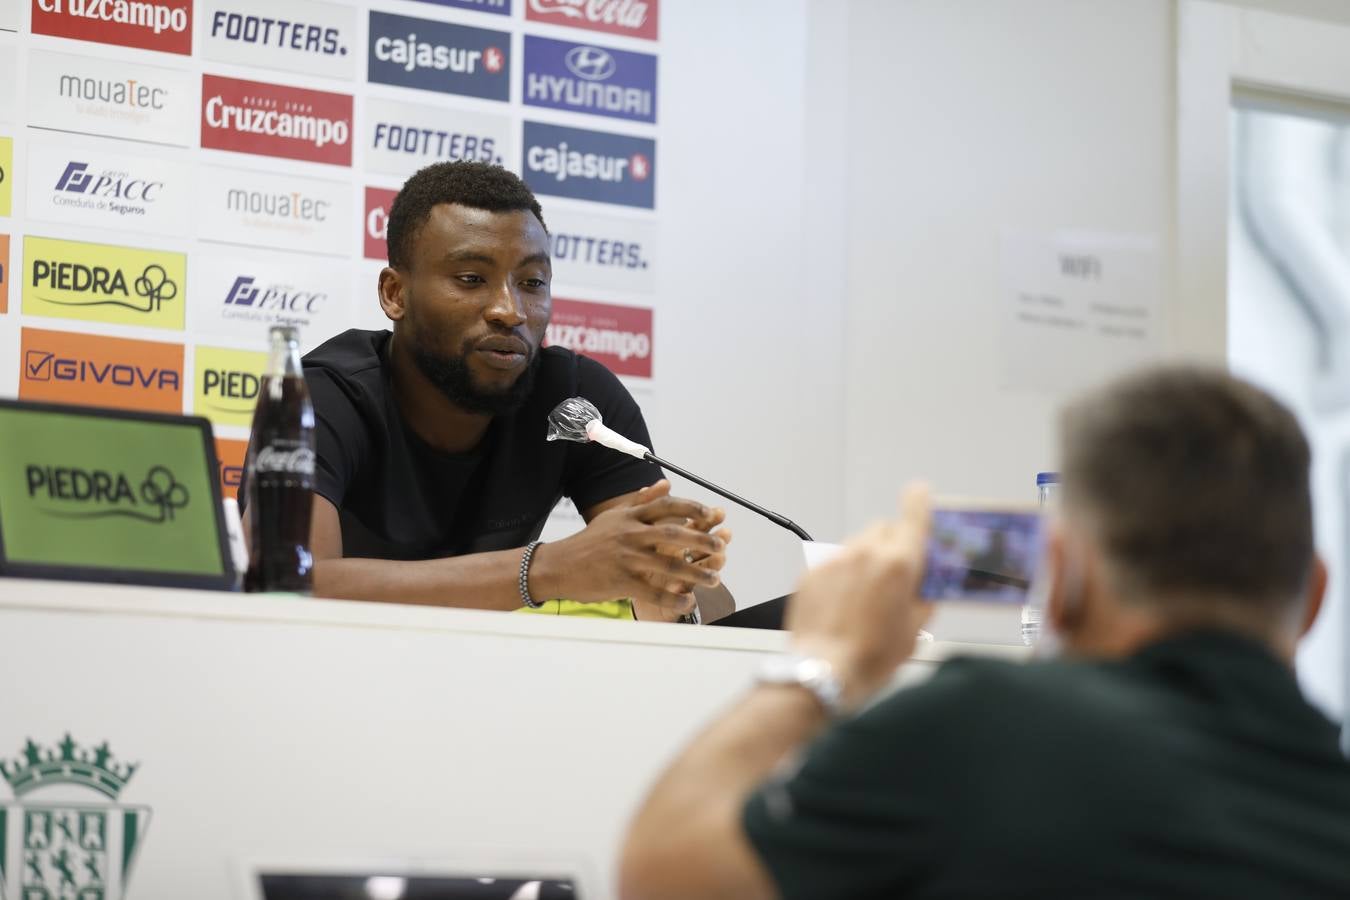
point(620, 337)
point(635, 18)
point(272, 120)
point(295, 35)
point(405, 137)
point(164, 25)
point(590, 165)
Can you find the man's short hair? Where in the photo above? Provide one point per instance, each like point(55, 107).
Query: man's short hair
point(1195, 486)
point(473, 184)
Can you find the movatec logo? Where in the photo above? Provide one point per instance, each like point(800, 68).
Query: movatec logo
point(404, 137)
point(589, 79)
point(263, 209)
point(101, 371)
point(620, 337)
point(295, 35)
point(164, 25)
point(103, 283)
point(635, 18)
point(108, 190)
point(248, 295)
point(599, 251)
point(500, 7)
point(439, 56)
point(272, 120)
point(227, 384)
point(109, 98)
point(376, 223)
point(590, 165)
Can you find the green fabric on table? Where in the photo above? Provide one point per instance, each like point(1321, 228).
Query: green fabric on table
point(608, 609)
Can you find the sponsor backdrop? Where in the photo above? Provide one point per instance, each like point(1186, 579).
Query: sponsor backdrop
point(176, 177)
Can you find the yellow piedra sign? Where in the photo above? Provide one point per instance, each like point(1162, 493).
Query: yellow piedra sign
point(104, 283)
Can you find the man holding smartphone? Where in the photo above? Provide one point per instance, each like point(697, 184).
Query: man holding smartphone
point(1169, 753)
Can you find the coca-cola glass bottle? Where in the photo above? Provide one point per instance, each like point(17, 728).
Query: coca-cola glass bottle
point(281, 473)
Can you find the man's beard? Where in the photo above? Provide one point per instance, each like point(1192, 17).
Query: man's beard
point(452, 377)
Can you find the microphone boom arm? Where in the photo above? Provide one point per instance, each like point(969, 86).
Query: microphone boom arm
point(780, 520)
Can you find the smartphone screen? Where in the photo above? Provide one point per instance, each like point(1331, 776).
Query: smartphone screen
point(982, 554)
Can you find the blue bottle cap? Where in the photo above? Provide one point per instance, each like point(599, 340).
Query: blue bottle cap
point(1047, 478)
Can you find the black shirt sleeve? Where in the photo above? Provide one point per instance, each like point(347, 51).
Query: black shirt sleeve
point(340, 437)
point(868, 811)
point(595, 474)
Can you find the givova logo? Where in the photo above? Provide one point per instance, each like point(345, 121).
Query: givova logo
point(590, 165)
point(589, 79)
point(439, 56)
point(108, 190)
point(295, 35)
point(264, 209)
point(6, 174)
point(103, 283)
point(405, 137)
point(272, 120)
point(164, 25)
point(100, 371)
point(110, 98)
point(227, 384)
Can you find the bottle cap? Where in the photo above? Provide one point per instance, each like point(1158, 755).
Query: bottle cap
point(1047, 478)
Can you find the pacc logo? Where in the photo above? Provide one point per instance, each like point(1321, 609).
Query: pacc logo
point(635, 18)
point(271, 120)
point(101, 283)
point(164, 25)
point(376, 219)
point(112, 190)
point(590, 165)
point(618, 336)
point(583, 78)
point(101, 371)
point(98, 493)
point(438, 56)
point(247, 296)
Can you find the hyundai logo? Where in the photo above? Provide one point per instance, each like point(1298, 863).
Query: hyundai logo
point(590, 63)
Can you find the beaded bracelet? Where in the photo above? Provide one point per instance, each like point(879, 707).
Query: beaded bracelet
point(525, 561)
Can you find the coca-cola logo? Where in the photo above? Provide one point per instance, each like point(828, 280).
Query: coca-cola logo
point(635, 18)
point(285, 460)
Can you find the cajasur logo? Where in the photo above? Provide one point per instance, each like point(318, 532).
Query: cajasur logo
point(55, 847)
point(103, 283)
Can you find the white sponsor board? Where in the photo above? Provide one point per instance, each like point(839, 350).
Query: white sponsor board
point(109, 190)
point(9, 15)
point(601, 251)
point(241, 297)
point(285, 212)
point(294, 35)
point(9, 71)
point(112, 98)
point(403, 137)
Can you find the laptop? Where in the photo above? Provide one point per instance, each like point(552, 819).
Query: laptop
point(492, 874)
point(96, 494)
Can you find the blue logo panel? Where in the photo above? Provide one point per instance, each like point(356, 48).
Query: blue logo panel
point(439, 56)
point(589, 79)
point(501, 7)
point(589, 165)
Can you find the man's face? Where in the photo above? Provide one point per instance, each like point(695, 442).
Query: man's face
point(475, 303)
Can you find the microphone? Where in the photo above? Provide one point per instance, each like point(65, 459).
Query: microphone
point(577, 419)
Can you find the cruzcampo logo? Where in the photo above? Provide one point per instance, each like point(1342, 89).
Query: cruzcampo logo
point(65, 837)
point(103, 283)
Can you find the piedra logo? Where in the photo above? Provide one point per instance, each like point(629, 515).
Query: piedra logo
point(65, 836)
point(71, 492)
point(228, 382)
point(102, 283)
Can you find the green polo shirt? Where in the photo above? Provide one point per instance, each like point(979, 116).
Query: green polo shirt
point(1194, 768)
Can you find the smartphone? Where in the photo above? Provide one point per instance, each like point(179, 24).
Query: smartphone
point(983, 551)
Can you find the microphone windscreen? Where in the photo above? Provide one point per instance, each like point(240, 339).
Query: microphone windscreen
point(570, 420)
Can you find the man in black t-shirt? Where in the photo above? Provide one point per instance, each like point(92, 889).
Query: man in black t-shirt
point(433, 475)
point(1168, 754)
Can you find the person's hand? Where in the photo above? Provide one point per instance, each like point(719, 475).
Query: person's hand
point(654, 550)
point(861, 612)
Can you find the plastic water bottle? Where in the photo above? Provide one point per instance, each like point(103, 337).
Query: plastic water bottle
point(1047, 489)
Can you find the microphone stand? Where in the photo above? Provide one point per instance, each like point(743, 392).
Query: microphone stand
point(776, 518)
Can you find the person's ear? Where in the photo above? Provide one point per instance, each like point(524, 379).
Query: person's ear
point(1317, 590)
point(1064, 600)
point(393, 299)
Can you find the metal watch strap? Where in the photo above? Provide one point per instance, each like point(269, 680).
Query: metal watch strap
point(812, 673)
point(526, 558)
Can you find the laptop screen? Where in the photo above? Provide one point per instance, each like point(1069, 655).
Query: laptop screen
point(109, 495)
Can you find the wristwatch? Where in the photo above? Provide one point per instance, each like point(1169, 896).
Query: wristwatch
point(812, 673)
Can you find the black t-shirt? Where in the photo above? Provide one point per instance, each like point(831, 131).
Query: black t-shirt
point(1193, 769)
point(399, 498)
